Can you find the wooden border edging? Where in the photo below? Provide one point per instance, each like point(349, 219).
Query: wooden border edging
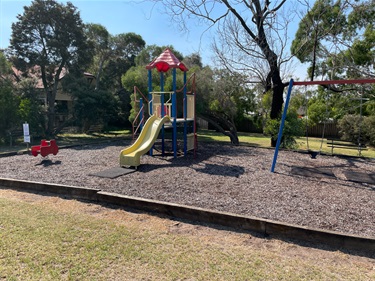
point(59, 189)
point(264, 227)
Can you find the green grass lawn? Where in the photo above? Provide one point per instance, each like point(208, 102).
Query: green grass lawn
point(54, 239)
point(253, 139)
point(259, 140)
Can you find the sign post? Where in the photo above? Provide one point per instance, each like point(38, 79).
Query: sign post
point(26, 134)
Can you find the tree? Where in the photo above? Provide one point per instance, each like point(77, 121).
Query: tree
point(5, 67)
point(153, 51)
point(100, 39)
point(358, 59)
point(323, 22)
point(114, 55)
point(8, 108)
point(51, 36)
point(8, 100)
point(245, 29)
point(225, 101)
point(30, 108)
point(126, 47)
point(337, 38)
point(101, 103)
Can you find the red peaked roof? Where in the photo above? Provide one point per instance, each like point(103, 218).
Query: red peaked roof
point(166, 61)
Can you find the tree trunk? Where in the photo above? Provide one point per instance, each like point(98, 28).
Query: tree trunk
point(51, 96)
point(232, 133)
point(51, 116)
point(234, 138)
point(277, 97)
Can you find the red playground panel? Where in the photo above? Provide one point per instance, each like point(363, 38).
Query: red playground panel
point(45, 148)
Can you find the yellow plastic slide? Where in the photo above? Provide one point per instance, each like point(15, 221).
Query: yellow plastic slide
point(131, 155)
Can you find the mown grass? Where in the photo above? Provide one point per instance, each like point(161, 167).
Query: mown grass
point(259, 140)
point(40, 242)
point(253, 139)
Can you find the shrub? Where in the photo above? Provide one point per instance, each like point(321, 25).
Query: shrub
point(8, 109)
point(369, 129)
point(293, 127)
point(351, 127)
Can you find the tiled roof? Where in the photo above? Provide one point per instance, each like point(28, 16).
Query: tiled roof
point(35, 72)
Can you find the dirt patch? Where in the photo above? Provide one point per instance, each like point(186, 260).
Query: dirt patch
point(224, 178)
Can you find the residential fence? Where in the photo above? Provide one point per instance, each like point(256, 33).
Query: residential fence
point(330, 130)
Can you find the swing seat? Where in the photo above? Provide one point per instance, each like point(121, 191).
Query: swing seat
point(313, 154)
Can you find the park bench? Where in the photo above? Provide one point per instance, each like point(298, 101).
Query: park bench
point(335, 143)
point(95, 128)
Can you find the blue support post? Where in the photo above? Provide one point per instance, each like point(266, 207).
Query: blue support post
point(150, 102)
point(149, 92)
point(174, 115)
point(162, 111)
point(185, 115)
point(282, 126)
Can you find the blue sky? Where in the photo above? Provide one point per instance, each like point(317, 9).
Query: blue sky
point(125, 16)
point(120, 17)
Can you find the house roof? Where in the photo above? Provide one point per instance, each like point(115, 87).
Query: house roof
point(166, 61)
point(35, 72)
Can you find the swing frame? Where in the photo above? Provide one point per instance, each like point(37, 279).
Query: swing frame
point(305, 83)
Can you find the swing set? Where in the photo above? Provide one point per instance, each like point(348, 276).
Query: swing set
point(307, 83)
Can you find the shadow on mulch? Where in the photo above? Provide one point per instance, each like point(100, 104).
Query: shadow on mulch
point(48, 162)
point(222, 170)
point(313, 172)
point(360, 177)
point(113, 173)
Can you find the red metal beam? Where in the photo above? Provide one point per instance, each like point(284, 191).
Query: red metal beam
point(330, 82)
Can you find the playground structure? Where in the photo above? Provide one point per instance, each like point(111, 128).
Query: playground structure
point(131, 155)
point(45, 148)
point(160, 110)
point(305, 83)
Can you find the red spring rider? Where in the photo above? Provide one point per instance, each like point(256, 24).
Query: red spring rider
point(45, 148)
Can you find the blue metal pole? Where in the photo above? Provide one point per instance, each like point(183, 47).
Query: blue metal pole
point(150, 102)
point(174, 114)
point(185, 115)
point(162, 111)
point(282, 126)
point(149, 92)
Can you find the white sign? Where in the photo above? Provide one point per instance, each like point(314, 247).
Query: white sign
point(26, 133)
point(26, 129)
point(26, 139)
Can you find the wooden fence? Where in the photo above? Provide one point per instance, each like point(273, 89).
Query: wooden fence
point(330, 130)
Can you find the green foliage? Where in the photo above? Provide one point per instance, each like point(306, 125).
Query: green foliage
point(5, 66)
point(31, 107)
point(153, 51)
point(293, 127)
point(51, 36)
point(369, 129)
point(352, 127)
point(135, 76)
point(338, 39)
point(317, 112)
point(49, 33)
point(8, 109)
point(321, 23)
point(90, 106)
point(125, 47)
